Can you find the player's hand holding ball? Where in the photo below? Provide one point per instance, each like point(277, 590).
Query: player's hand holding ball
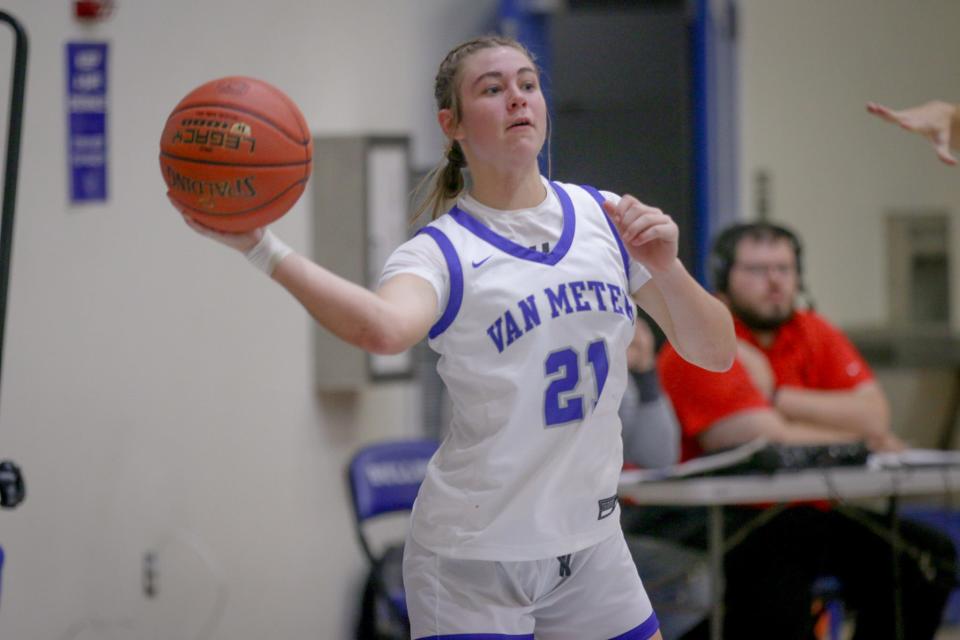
point(242, 242)
point(236, 155)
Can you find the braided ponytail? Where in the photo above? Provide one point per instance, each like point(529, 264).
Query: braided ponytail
point(451, 177)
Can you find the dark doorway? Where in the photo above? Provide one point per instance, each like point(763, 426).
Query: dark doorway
point(621, 84)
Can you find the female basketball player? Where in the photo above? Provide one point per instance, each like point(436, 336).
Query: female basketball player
point(526, 289)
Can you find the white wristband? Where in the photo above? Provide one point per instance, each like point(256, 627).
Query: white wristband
point(267, 254)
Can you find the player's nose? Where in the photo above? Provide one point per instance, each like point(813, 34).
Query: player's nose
point(516, 99)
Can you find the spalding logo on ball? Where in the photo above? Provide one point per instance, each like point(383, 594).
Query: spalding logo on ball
point(235, 154)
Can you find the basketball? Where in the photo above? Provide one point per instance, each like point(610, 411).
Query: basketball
point(235, 154)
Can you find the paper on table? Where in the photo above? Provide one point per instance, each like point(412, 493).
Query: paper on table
point(694, 466)
point(913, 458)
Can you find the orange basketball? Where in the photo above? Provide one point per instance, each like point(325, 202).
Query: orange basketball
point(235, 154)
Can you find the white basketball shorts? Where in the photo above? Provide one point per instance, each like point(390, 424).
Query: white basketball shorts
point(591, 594)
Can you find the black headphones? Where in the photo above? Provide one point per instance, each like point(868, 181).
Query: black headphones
point(725, 249)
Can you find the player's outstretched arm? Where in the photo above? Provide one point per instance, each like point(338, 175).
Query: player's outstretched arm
point(390, 320)
point(698, 325)
point(938, 121)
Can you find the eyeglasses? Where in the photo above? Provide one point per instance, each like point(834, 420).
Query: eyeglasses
point(758, 270)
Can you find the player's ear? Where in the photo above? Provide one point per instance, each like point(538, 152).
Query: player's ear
point(448, 124)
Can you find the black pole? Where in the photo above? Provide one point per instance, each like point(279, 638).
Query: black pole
point(12, 166)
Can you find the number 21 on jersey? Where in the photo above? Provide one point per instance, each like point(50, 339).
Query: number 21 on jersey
point(564, 370)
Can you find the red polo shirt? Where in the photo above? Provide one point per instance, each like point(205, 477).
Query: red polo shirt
point(807, 352)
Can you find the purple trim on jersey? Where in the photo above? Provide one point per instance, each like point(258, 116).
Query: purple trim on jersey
point(455, 299)
point(479, 636)
point(642, 632)
point(484, 232)
point(623, 250)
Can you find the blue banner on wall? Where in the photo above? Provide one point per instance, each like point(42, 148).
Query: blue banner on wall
point(87, 125)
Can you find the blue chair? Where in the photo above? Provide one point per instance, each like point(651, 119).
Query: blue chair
point(384, 478)
point(947, 521)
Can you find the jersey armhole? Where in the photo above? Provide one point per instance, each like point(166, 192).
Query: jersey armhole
point(616, 236)
point(455, 299)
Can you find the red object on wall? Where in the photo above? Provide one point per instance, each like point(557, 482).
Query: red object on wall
point(90, 10)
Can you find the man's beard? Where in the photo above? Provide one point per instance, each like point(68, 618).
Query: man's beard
point(758, 322)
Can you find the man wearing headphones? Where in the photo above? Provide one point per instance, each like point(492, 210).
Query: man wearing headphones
point(798, 379)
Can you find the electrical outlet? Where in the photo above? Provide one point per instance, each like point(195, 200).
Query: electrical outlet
point(149, 577)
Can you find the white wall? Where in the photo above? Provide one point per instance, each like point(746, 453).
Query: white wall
point(156, 390)
point(807, 68)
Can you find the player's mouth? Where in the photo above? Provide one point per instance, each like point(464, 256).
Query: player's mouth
point(519, 124)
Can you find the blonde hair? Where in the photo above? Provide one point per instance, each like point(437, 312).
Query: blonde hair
point(446, 179)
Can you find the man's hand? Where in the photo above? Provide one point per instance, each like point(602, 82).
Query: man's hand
point(934, 120)
point(886, 442)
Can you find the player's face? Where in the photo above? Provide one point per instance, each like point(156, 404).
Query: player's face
point(503, 116)
point(763, 282)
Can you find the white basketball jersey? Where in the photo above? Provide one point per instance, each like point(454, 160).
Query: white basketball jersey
point(533, 353)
